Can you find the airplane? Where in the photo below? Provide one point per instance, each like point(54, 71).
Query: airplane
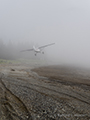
point(38, 49)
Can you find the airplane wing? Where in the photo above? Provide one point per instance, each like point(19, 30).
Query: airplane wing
point(46, 45)
point(27, 50)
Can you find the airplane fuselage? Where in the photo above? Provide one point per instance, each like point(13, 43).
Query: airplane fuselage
point(37, 50)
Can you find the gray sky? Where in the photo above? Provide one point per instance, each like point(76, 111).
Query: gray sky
point(65, 22)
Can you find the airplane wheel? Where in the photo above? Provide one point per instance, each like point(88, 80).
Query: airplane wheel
point(35, 54)
point(42, 52)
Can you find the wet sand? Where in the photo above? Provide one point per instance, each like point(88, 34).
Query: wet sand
point(66, 75)
point(44, 93)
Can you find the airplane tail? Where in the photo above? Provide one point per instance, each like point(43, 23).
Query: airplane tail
point(34, 47)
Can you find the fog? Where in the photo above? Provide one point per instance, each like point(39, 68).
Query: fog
point(25, 23)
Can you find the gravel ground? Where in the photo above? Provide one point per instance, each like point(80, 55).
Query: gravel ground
point(55, 93)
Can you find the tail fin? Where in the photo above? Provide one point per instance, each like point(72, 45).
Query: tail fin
point(34, 48)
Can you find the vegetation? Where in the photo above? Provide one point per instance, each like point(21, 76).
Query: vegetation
point(11, 51)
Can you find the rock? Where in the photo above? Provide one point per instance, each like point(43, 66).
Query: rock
point(12, 69)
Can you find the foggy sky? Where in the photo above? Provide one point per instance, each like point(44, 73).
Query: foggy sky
point(65, 22)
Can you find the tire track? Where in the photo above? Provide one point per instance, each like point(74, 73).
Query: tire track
point(35, 75)
point(14, 106)
point(37, 87)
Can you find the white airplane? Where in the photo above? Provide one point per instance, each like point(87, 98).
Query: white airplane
point(39, 49)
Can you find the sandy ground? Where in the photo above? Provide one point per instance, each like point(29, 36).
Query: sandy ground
point(44, 93)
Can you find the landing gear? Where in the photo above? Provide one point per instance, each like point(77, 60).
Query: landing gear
point(35, 54)
point(42, 52)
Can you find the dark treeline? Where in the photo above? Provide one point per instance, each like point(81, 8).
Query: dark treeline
point(12, 50)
